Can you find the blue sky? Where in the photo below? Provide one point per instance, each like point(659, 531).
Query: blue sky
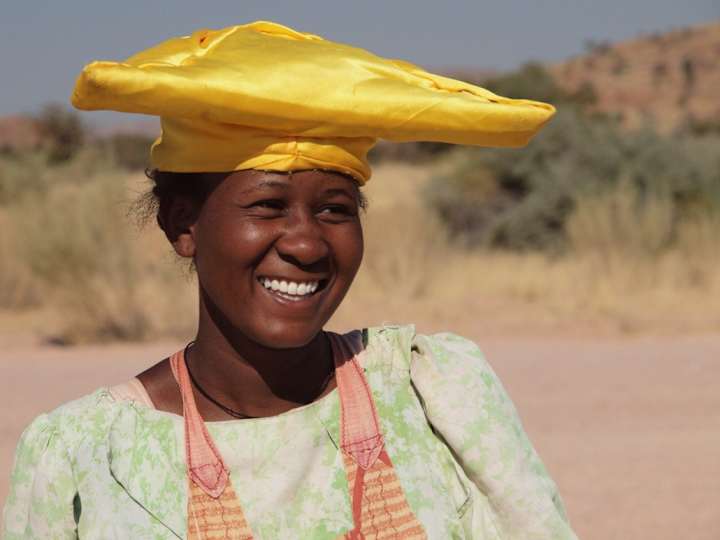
point(44, 44)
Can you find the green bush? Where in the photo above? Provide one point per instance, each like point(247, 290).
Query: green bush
point(63, 129)
point(521, 198)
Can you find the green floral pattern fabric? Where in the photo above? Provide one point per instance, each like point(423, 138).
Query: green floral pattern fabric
point(98, 468)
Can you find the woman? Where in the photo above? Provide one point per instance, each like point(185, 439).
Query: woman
point(266, 426)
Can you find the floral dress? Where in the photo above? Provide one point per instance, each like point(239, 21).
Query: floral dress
point(102, 467)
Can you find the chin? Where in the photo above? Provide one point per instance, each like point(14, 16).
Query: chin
point(282, 335)
point(270, 323)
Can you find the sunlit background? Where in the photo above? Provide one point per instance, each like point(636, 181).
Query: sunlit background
point(585, 264)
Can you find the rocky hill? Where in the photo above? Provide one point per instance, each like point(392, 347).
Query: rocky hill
point(668, 78)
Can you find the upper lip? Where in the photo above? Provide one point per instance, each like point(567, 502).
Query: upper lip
point(296, 280)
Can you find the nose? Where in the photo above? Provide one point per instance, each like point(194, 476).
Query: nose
point(302, 242)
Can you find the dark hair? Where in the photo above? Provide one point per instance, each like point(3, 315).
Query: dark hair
point(167, 186)
point(196, 186)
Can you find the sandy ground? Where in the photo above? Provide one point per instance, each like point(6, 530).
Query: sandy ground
point(628, 427)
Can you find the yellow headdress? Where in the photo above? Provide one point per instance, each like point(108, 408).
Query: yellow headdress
point(264, 96)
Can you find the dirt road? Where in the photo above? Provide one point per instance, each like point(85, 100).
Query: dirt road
point(629, 428)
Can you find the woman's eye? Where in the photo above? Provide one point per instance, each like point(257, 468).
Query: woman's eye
point(336, 210)
point(268, 204)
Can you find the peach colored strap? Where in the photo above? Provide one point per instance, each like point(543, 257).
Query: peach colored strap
point(379, 506)
point(360, 435)
point(205, 465)
point(380, 509)
point(215, 519)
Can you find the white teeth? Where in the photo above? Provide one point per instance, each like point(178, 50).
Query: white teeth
point(292, 288)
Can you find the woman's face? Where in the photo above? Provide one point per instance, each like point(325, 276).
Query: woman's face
point(276, 253)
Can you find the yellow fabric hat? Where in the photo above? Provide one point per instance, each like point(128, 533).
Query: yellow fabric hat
point(264, 96)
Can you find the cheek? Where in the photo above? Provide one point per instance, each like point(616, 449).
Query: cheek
point(227, 246)
point(350, 251)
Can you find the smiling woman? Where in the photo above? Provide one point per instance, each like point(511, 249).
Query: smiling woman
point(265, 425)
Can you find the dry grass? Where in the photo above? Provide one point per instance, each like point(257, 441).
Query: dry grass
point(18, 288)
point(102, 278)
point(75, 255)
point(616, 279)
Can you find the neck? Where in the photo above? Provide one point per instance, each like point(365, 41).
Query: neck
point(251, 378)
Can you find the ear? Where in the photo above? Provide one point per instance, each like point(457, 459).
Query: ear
point(177, 219)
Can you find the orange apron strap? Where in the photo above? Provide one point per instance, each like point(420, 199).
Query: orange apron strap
point(205, 465)
point(213, 508)
point(380, 509)
point(220, 518)
point(360, 434)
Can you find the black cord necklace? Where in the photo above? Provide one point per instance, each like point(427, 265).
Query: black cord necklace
point(233, 412)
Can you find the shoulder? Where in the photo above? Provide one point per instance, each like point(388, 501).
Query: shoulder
point(441, 367)
point(42, 484)
point(449, 374)
point(73, 422)
point(401, 347)
point(446, 361)
point(466, 404)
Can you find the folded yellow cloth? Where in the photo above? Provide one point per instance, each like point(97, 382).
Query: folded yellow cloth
point(264, 96)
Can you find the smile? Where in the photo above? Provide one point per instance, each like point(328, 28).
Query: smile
point(290, 290)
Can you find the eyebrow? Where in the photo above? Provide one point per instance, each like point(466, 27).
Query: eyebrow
point(266, 184)
point(338, 191)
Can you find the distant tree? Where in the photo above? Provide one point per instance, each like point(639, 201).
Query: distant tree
point(620, 65)
point(660, 71)
point(584, 96)
point(64, 131)
point(592, 46)
point(688, 71)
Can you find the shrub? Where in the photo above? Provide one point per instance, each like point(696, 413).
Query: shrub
point(521, 199)
point(64, 130)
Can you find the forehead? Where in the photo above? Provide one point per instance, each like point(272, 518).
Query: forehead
point(313, 181)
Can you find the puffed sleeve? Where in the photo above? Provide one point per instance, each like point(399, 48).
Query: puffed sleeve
point(42, 489)
point(466, 404)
